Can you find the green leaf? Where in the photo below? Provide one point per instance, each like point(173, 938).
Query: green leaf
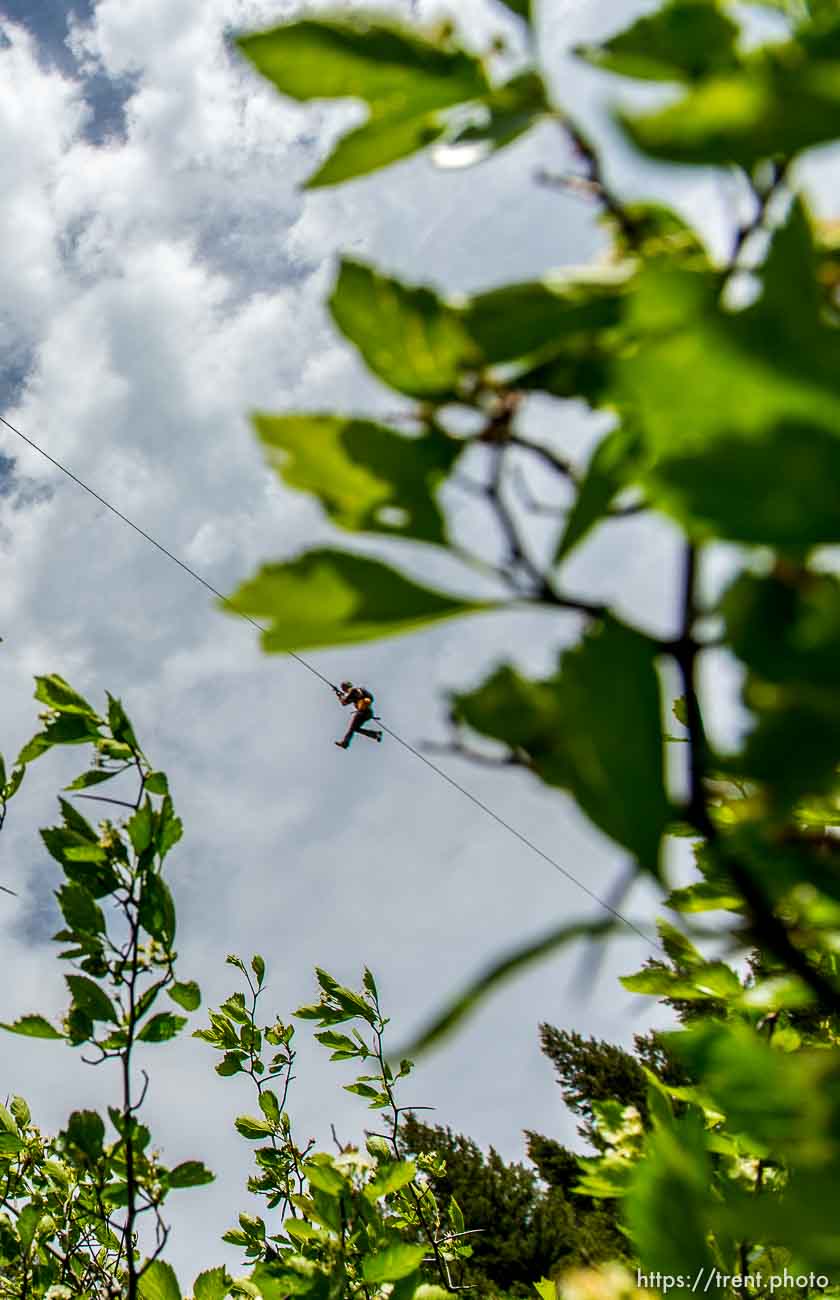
point(675, 1171)
point(86, 1130)
point(253, 1129)
point(190, 1173)
point(390, 68)
point(139, 827)
point(790, 1103)
point(367, 477)
point(498, 971)
point(57, 694)
point(328, 597)
point(775, 492)
point(540, 319)
point(121, 728)
point(407, 335)
point(378, 143)
point(494, 122)
point(79, 909)
point(187, 995)
point(19, 1108)
point(157, 910)
point(567, 726)
point(405, 80)
point(786, 628)
point(606, 474)
point(773, 107)
point(258, 967)
point(90, 998)
point(392, 1263)
point(546, 1289)
point(212, 1284)
point(69, 728)
point(270, 1106)
point(95, 777)
point(11, 1144)
point(390, 1178)
point(754, 471)
point(321, 1173)
point(162, 1027)
point(32, 1027)
point(159, 1282)
point(522, 8)
point(684, 40)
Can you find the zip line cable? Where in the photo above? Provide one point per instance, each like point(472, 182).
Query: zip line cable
point(312, 669)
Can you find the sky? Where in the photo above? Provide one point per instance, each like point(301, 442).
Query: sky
point(162, 275)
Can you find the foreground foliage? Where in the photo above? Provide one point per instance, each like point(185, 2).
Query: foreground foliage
point(719, 381)
point(718, 1154)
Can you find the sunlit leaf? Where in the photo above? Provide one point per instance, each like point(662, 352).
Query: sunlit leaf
point(567, 727)
point(329, 597)
point(682, 40)
point(407, 335)
point(368, 477)
point(392, 1263)
point(159, 1282)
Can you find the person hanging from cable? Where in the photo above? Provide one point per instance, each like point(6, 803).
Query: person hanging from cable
point(362, 701)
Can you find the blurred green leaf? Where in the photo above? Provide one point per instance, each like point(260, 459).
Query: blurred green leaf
point(675, 1171)
point(786, 628)
point(522, 8)
point(684, 40)
point(392, 69)
point(378, 143)
point(495, 121)
point(777, 105)
point(407, 335)
point(406, 81)
point(328, 597)
point(606, 474)
point(367, 477)
point(567, 726)
point(497, 972)
point(540, 318)
point(755, 470)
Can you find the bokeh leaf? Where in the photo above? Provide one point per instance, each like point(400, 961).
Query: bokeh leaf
point(368, 477)
point(329, 597)
point(683, 40)
point(569, 727)
point(407, 335)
